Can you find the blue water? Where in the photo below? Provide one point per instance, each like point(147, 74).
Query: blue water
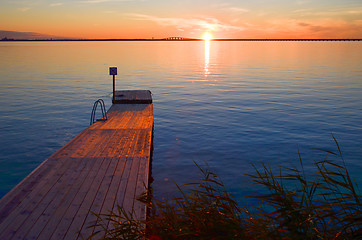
point(227, 103)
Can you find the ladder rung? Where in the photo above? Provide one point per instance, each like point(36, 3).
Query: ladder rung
point(104, 112)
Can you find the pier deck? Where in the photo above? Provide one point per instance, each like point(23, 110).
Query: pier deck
point(106, 164)
point(131, 97)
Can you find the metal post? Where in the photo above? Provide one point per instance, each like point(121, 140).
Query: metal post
point(114, 89)
point(113, 72)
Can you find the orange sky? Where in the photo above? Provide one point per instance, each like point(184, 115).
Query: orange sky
point(160, 18)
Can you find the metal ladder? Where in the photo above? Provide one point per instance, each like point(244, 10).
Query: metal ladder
point(104, 112)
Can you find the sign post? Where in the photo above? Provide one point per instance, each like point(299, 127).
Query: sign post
point(113, 72)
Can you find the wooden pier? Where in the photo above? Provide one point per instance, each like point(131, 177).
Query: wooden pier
point(133, 97)
point(106, 164)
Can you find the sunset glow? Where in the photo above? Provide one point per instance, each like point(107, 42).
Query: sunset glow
point(207, 36)
point(189, 19)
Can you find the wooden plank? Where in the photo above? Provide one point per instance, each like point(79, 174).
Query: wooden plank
point(141, 187)
point(126, 187)
point(122, 186)
point(53, 193)
point(73, 223)
point(32, 199)
point(39, 218)
point(19, 192)
point(79, 188)
point(70, 204)
point(100, 198)
point(97, 203)
point(82, 207)
point(106, 164)
point(140, 209)
point(111, 196)
point(14, 222)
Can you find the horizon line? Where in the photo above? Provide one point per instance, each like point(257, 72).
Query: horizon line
point(184, 39)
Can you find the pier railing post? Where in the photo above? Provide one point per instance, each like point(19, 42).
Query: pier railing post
point(113, 72)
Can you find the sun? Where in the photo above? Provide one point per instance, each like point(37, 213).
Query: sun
point(207, 36)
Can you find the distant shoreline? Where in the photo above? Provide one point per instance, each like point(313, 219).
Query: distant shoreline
point(169, 40)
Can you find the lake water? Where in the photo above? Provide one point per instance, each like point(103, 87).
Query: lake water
point(227, 103)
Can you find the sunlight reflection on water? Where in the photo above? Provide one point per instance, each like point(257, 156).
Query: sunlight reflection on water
point(207, 57)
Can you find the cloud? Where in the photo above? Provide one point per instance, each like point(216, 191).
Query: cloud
point(302, 2)
point(333, 28)
point(303, 24)
point(56, 4)
point(102, 1)
point(24, 9)
point(26, 35)
point(209, 24)
point(229, 8)
point(321, 28)
point(328, 13)
point(94, 1)
point(304, 10)
point(237, 10)
point(355, 12)
point(109, 12)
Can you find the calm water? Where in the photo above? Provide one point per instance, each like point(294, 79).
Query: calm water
point(227, 103)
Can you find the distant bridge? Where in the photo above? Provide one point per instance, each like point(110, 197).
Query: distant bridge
point(177, 39)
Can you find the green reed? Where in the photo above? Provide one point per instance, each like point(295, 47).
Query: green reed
point(325, 205)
